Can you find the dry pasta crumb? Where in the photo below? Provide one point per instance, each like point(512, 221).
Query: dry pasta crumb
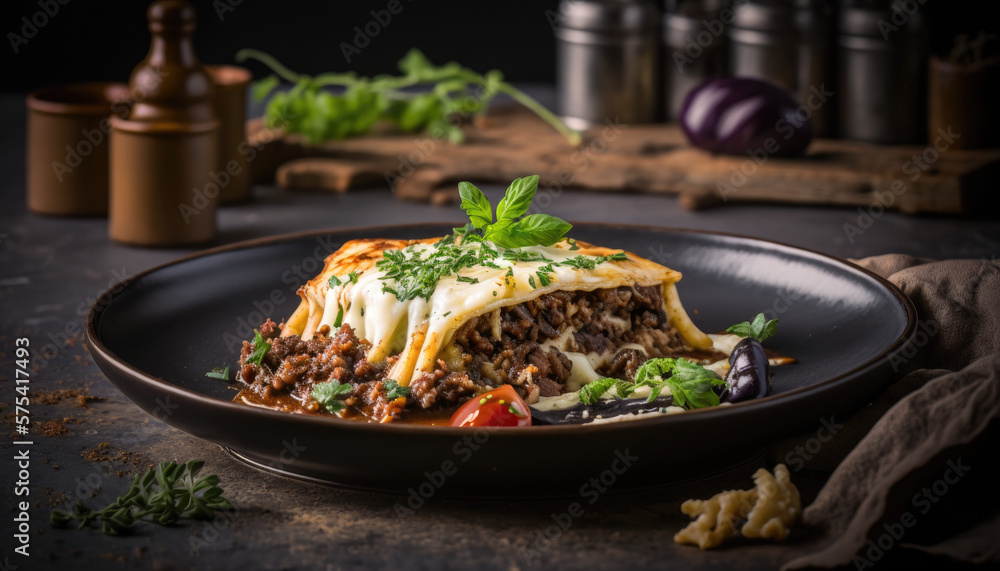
point(767, 511)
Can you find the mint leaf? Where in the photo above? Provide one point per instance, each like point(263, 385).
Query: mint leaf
point(592, 391)
point(476, 205)
point(517, 199)
point(534, 230)
point(759, 329)
point(328, 395)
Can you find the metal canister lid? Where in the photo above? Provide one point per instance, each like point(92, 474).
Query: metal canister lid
point(873, 22)
point(608, 15)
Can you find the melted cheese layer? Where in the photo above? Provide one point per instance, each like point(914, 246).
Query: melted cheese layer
point(419, 330)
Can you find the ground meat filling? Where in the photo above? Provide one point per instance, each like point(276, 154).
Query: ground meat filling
point(506, 347)
point(293, 366)
point(600, 321)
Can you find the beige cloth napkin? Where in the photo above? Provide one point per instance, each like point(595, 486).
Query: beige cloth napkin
point(923, 472)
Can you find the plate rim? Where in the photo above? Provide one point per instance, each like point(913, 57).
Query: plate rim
point(135, 374)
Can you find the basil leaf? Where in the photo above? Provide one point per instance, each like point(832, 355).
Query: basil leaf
point(517, 199)
point(591, 392)
point(534, 230)
point(476, 205)
point(759, 329)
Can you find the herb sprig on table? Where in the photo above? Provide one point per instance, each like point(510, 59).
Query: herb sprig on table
point(162, 495)
point(311, 110)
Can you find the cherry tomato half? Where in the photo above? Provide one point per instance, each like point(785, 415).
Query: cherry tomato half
point(497, 407)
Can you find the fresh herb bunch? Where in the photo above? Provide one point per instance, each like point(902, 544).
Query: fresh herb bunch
point(759, 329)
point(512, 229)
point(319, 115)
point(162, 495)
point(689, 383)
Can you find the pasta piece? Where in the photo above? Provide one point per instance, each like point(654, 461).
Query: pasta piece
point(767, 511)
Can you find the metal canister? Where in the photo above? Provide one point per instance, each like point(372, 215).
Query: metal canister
point(608, 61)
point(696, 48)
point(882, 54)
point(790, 44)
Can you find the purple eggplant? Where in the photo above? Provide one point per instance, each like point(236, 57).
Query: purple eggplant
point(749, 376)
point(744, 116)
point(584, 413)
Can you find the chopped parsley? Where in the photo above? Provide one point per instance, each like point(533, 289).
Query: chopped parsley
point(351, 277)
point(340, 317)
point(328, 395)
point(218, 373)
point(394, 390)
point(260, 348)
point(414, 272)
point(592, 391)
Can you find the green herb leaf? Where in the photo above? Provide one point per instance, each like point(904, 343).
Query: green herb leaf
point(261, 89)
point(162, 495)
point(334, 281)
point(690, 383)
point(476, 205)
point(340, 317)
point(328, 395)
point(260, 348)
point(534, 230)
point(394, 390)
point(591, 392)
point(218, 373)
point(759, 329)
point(517, 199)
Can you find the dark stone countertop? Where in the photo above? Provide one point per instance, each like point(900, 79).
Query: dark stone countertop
point(53, 268)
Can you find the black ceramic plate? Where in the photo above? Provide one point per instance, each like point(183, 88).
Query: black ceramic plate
point(156, 335)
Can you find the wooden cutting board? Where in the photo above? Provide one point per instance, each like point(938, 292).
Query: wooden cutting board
point(511, 142)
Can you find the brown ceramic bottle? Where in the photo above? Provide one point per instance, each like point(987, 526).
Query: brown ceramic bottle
point(164, 157)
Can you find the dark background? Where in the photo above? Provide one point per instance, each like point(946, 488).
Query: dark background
point(90, 40)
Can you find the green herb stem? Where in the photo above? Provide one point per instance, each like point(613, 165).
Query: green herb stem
point(572, 135)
